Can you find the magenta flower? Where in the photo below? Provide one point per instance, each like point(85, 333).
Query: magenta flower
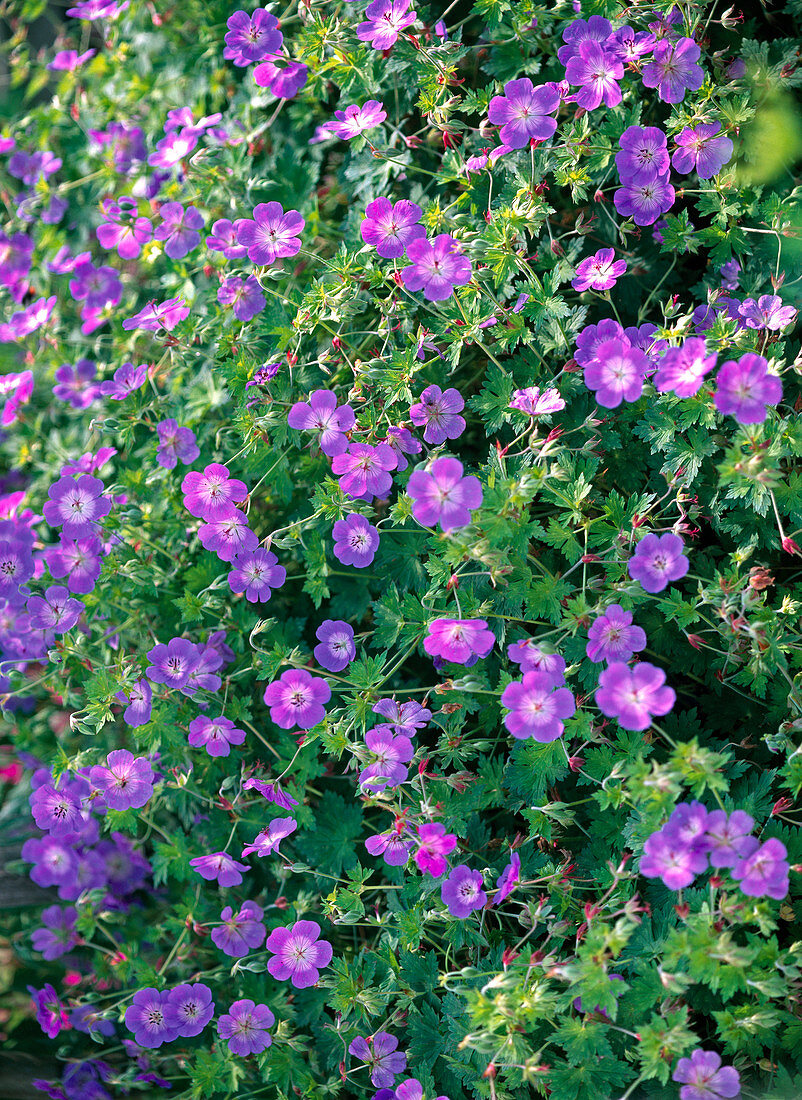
point(536, 707)
point(337, 648)
point(532, 658)
point(682, 370)
point(658, 560)
point(146, 1017)
point(403, 443)
point(216, 735)
point(172, 663)
point(434, 844)
point(355, 541)
point(69, 60)
point(239, 933)
point(703, 149)
point(229, 537)
point(50, 1013)
point(127, 380)
point(322, 414)
point(271, 791)
point(137, 703)
point(284, 78)
point(442, 495)
point(534, 403)
point(385, 19)
point(406, 718)
point(76, 505)
point(674, 861)
point(268, 840)
point(597, 71)
point(599, 272)
point(211, 494)
point(188, 1009)
point(727, 837)
point(762, 870)
point(245, 1026)
point(631, 45)
point(56, 610)
point(179, 229)
point(595, 29)
point(634, 696)
point(297, 699)
point(298, 954)
point(617, 373)
point(643, 155)
point(256, 573)
point(644, 202)
point(126, 236)
point(389, 753)
point(674, 70)
point(508, 879)
point(355, 120)
point(439, 411)
point(767, 312)
point(223, 238)
point(393, 847)
point(271, 234)
point(745, 388)
point(390, 227)
point(175, 444)
point(436, 267)
point(704, 1078)
point(126, 782)
point(462, 641)
point(221, 867)
point(524, 112)
point(364, 471)
point(245, 295)
point(251, 37)
point(58, 935)
point(462, 891)
point(381, 1054)
point(17, 388)
point(158, 315)
point(612, 637)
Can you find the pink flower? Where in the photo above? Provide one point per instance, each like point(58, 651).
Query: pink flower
point(524, 111)
point(297, 699)
point(436, 267)
point(599, 272)
point(271, 234)
point(385, 19)
point(298, 954)
point(536, 708)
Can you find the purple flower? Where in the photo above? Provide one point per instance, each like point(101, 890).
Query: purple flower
point(298, 954)
point(245, 1026)
point(146, 1017)
point(123, 231)
point(536, 707)
point(434, 844)
point(55, 862)
point(74, 384)
point(364, 471)
point(97, 9)
point(127, 379)
point(297, 699)
point(676, 862)
point(179, 229)
point(57, 810)
point(56, 610)
point(158, 315)
point(175, 445)
point(729, 274)
point(221, 867)
point(385, 19)
point(22, 324)
point(336, 649)
point(223, 238)
point(688, 824)
point(617, 373)
point(188, 1009)
point(389, 753)
point(393, 847)
point(271, 234)
point(137, 703)
point(406, 718)
point(172, 663)
point(230, 536)
point(76, 506)
point(240, 932)
point(380, 1050)
point(612, 637)
point(630, 45)
point(442, 495)
point(644, 202)
point(682, 370)
point(462, 891)
point(355, 541)
point(674, 70)
point(268, 840)
point(50, 1013)
point(643, 155)
point(403, 443)
point(702, 149)
point(524, 112)
point(767, 312)
point(69, 60)
point(125, 782)
point(245, 296)
point(744, 389)
point(95, 286)
point(634, 696)
point(78, 561)
point(596, 29)
point(508, 879)
point(462, 641)
point(534, 403)
point(58, 934)
point(704, 1078)
point(599, 272)
point(532, 658)
point(390, 227)
point(210, 495)
point(436, 267)
point(438, 410)
point(284, 78)
point(762, 870)
point(172, 149)
point(658, 560)
point(356, 120)
point(216, 735)
point(322, 414)
point(727, 837)
point(251, 37)
point(271, 791)
point(256, 573)
point(597, 71)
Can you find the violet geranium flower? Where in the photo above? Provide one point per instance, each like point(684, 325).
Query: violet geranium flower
point(434, 844)
point(767, 312)
point(137, 703)
point(239, 933)
point(220, 867)
point(216, 735)
point(508, 879)
point(355, 120)
point(646, 201)
point(243, 295)
point(643, 154)
point(442, 495)
point(763, 869)
point(77, 506)
point(75, 384)
point(188, 1009)
point(256, 573)
point(612, 637)
point(436, 267)
point(536, 708)
point(462, 891)
point(438, 411)
point(384, 21)
point(365, 471)
point(658, 560)
point(179, 229)
point(322, 414)
point(703, 1077)
point(268, 840)
point(704, 149)
point(175, 445)
point(172, 663)
point(617, 373)
point(245, 1027)
point(158, 315)
point(597, 71)
point(682, 370)
point(336, 649)
point(56, 610)
point(126, 781)
point(524, 112)
point(127, 380)
point(674, 861)
point(634, 696)
point(674, 70)
point(297, 699)
point(599, 272)
point(381, 1053)
point(146, 1018)
point(727, 836)
point(390, 227)
point(533, 402)
point(745, 388)
point(389, 753)
point(462, 641)
point(251, 38)
point(298, 954)
point(355, 541)
point(209, 495)
point(271, 234)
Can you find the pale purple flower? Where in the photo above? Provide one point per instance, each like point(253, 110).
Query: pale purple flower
point(271, 791)
point(58, 935)
point(644, 202)
point(74, 384)
point(297, 699)
point(612, 637)
point(532, 658)
point(322, 414)
point(462, 641)
point(389, 752)
point(158, 315)
point(439, 411)
point(76, 559)
point(762, 870)
point(146, 1018)
point(393, 847)
point(56, 610)
point(434, 844)
point(462, 891)
point(703, 149)
point(524, 112)
point(137, 703)
point(179, 229)
point(223, 238)
point(256, 573)
point(283, 77)
point(216, 735)
point(595, 29)
point(17, 388)
point(365, 471)
point(355, 120)
point(174, 147)
point(403, 443)
point(188, 1009)
point(643, 155)
point(127, 380)
point(442, 495)
point(533, 402)
point(245, 1026)
point(271, 234)
point(172, 663)
point(508, 879)
point(268, 840)
point(634, 696)
point(240, 933)
point(597, 70)
point(245, 295)
point(211, 494)
point(536, 707)
point(406, 718)
point(436, 267)
point(727, 836)
point(390, 227)
point(745, 388)
point(658, 560)
point(298, 954)
point(674, 70)
point(704, 1078)
point(688, 824)
point(384, 21)
point(22, 324)
point(56, 810)
point(729, 274)
point(355, 541)
point(599, 272)
point(127, 237)
point(337, 648)
point(221, 867)
point(674, 861)
point(126, 781)
point(682, 370)
point(380, 1051)
point(617, 373)
point(251, 38)
point(175, 444)
point(97, 9)
point(767, 312)
point(629, 44)
point(96, 287)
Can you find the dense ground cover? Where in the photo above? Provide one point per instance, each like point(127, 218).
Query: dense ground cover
point(399, 550)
